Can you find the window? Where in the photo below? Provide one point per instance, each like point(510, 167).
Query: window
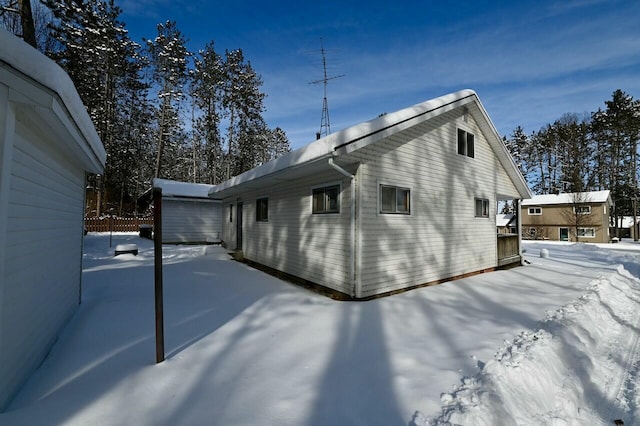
point(482, 207)
point(582, 209)
point(466, 143)
point(395, 200)
point(326, 200)
point(262, 210)
point(535, 211)
point(230, 212)
point(587, 232)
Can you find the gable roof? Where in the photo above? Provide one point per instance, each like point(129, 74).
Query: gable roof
point(569, 198)
point(504, 219)
point(41, 84)
point(359, 136)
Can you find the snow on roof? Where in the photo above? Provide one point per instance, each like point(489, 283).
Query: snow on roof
point(25, 59)
point(627, 221)
point(568, 198)
point(172, 188)
point(325, 147)
point(504, 219)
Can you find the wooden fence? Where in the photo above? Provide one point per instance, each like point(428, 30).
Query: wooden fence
point(116, 224)
point(508, 249)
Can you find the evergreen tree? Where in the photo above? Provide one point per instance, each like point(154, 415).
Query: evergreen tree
point(243, 104)
point(207, 91)
point(95, 50)
point(518, 145)
point(28, 20)
point(571, 136)
point(168, 58)
point(616, 131)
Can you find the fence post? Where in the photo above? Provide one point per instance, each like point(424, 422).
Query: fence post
point(157, 251)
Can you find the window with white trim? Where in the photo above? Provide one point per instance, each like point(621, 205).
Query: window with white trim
point(582, 209)
point(262, 210)
point(587, 232)
point(482, 207)
point(326, 200)
point(466, 143)
point(394, 199)
point(535, 211)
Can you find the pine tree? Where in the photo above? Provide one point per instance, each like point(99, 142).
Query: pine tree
point(243, 104)
point(168, 58)
point(518, 145)
point(616, 131)
point(207, 91)
point(95, 50)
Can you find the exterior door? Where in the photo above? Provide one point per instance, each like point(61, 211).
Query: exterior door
point(239, 226)
point(564, 234)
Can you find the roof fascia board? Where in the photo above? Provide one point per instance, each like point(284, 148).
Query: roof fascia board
point(503, 154)
point(363, 141)
point(186, 198)
point(248, 179)
point(31, 93)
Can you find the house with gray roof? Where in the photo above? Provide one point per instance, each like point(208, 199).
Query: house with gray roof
point(405, 200)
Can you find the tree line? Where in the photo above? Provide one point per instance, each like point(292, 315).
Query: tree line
point(590, 152)
point(160, 110)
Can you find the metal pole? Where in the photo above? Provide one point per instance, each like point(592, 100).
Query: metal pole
point(157, 251)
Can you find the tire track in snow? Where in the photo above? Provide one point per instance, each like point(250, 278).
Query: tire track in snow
point(625, 403)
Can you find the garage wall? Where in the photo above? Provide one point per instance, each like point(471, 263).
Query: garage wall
point(42, 251)
point(190, 220)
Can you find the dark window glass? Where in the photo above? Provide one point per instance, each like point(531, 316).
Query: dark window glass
point(395, 200)
point(262, 209)
point(325, 200)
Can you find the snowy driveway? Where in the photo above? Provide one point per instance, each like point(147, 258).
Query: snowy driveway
point(245, 348)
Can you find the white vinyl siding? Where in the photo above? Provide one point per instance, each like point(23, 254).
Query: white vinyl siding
point(441, 238)
point(314, 247)
point(43, 247)
point(190, 220)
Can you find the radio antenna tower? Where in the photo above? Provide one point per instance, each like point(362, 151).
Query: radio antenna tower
point(325, 126)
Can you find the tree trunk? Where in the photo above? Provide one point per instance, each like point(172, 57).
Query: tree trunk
point(26, 20)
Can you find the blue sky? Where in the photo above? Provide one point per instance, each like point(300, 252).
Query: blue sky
point(529, 61)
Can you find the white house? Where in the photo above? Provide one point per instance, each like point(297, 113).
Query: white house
point(404, 200)
point(189, 216)
point(47, 145)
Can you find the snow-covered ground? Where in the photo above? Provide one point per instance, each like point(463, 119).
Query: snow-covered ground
point(554, 342)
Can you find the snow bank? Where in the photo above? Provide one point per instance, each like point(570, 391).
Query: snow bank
point(570, 371)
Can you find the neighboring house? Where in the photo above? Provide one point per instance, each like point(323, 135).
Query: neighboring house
point(47, 145)
point(189, 216)
point(506, 223)
point(401, 201)
point(579, 216)
point(626, 227)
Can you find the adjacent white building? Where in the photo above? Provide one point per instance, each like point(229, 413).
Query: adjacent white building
point(404, 200)
point(189, 216)
point(47, 145)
